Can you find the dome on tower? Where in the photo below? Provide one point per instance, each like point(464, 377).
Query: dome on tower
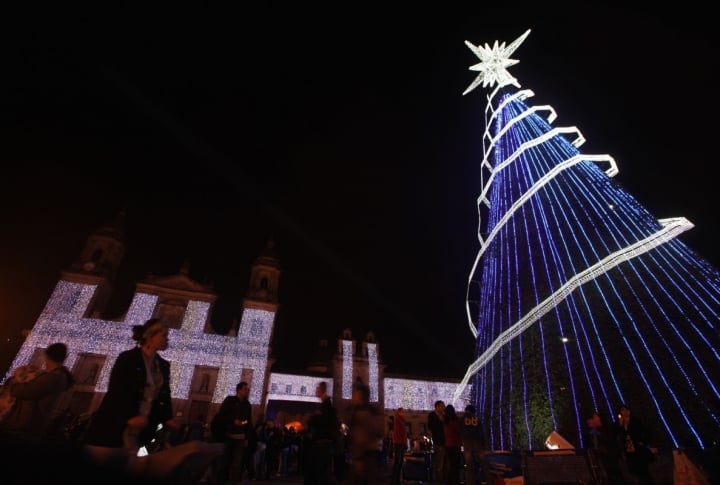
point(115, 228)
point(268, 256)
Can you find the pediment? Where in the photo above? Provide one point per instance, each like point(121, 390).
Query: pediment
point(177, 282)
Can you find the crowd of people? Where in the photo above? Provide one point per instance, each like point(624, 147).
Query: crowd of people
point(253, 449)
point(136, 405)
point(133, 436)
point(235, 446)
point(459, 448)
point(458, 445)
point(622, 446)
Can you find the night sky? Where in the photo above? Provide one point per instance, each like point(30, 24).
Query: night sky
point(345, 137)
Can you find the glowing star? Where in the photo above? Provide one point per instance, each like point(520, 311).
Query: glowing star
point(494, 62)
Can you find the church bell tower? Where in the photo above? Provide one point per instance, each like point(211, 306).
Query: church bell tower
point(257, 323)
point(264, 280)
point(99, 262)
point(260, 304)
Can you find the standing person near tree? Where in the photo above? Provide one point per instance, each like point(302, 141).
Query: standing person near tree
point(232, 427)
point(473, 442)
point(453, 445)
point(633, 439)
point(35, 399)
point(138, 395)
point(437, 433)
point(399, 443)
point(602, 434)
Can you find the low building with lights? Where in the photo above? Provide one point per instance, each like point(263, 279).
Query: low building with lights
point(205, 365)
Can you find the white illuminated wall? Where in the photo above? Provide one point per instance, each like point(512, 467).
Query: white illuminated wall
point(290, 387)
point(374, 378)
point(244, 357)
point(420, 395)
point(347, 368)
point(62, 321)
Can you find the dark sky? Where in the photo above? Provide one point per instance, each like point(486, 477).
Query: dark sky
point(345, 137)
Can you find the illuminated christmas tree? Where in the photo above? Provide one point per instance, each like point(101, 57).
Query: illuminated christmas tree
point(583, 300)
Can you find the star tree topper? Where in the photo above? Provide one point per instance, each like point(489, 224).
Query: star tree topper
point(494, 62)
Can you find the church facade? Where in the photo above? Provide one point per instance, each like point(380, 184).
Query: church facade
point(206, 365)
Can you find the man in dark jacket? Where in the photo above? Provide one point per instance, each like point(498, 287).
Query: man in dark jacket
point(473, 441)
point(231, 426)
point(437, 433)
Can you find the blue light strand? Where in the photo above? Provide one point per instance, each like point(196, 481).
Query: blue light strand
point(572, 304)
point(565, 222)
point(542, 225)
point(520, 215)
point(674, 397)
point(538, 217)
point(631, 289)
